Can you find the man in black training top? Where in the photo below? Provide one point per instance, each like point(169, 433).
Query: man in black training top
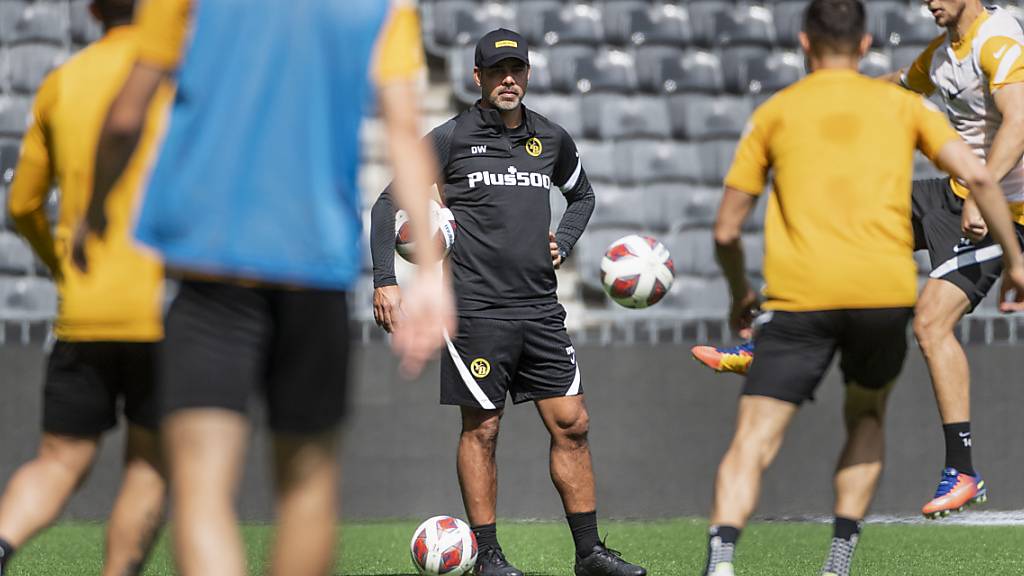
point(498, 162)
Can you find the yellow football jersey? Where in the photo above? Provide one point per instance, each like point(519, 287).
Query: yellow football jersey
point(120, 298)
point(838, 232)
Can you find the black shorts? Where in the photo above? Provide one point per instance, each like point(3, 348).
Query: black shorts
point(85, 382)
point(973, 268)
point(794, 349)
point(225, 342)
point(532, 359)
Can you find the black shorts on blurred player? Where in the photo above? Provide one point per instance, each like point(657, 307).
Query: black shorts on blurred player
point(794, 350)
point(85, 382)
point(490, 358)
point(973, 268)
point(225, 342)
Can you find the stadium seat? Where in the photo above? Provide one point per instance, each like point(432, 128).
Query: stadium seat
point(641, 24)
point(715, 159)
point(649, 61)
point(910, 26)
point(620, 207)
point(36, 22)
point(15, 256)
point(460, 74)
point(530, 19)
point(697, 295)
point(703, 17)
point(683, 205)
point(609, 71)
point(540, 72)
point(590, 249)
point(696, 71)
point(878, 17)
point(563, 110)
point(599, 160)
point(28, 299)
point(693, 252)
point(14, 115)
point(736, 62)
point(703, 116)
point(744, 26)
point(564, 61)
point(84, 28)
point(30, 63)
point(788, 17)
point(10, 13)
point(653, 161)
point(612, 116)
point(876, 64)
point(765, 75)
point(753, 251)
point(9, 150)
point(573, 23)
point(461, 22)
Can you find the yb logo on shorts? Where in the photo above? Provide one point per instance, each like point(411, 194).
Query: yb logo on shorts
point(534, 147)
point(480, 368)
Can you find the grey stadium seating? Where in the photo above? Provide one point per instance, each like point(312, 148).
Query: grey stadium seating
point(30, 63)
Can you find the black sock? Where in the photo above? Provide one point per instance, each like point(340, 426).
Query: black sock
point(845, 528)
point(958, 447)
point(6, 551)
point(721, 546)
point(486, 536)
point(584, 532)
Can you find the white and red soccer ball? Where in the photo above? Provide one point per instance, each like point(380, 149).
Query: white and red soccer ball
point(637, 271)
point(442, 221)
point(443, 545)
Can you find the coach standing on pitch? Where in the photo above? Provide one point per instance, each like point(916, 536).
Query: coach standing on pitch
point(498, 161)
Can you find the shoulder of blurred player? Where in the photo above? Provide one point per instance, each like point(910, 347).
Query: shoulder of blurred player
point(399, 51)
point(163, 27)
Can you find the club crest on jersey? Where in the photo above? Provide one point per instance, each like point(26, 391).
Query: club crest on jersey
point(512, 178)
point(480, 368)
point(534, 147)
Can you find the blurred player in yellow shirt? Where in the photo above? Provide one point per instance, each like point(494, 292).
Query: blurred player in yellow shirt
point(109, 319)
point(838, 264)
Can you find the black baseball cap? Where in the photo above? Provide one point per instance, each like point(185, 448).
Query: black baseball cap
point(499, 44)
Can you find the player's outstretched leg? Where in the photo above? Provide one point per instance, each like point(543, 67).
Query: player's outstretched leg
point(736, 359)
point(306, 472)
point(478, 479)
point(38, 491)
point(857, 474)
point(760, 426)
point(139, 509)
point(567, 421)
point(940, 308)
point(205, 450)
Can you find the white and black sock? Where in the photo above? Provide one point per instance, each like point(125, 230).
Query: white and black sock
point(845, 535)
point(721, 546)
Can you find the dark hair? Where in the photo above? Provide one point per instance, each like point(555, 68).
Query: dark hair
point(835, 26)
point(115, 12)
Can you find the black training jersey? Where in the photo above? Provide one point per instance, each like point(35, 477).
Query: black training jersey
point(497, 182)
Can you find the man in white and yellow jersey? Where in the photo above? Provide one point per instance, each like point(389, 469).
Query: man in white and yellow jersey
point(977, 69)
point(109, 319)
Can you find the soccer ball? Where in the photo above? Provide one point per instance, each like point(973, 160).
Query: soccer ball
point(441, 220)
point(637, 271)
point(443, 545)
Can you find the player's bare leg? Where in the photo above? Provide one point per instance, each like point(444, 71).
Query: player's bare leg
point(205, 450)
point(306, 471)
point(940, 307)
point(478, 479)
point(139, 510)
point(38, 491)
point(568, 422)
point(858, 471)
point(761, 424)
point(478, 471)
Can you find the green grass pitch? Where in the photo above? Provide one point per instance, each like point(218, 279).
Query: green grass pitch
point(671, 547)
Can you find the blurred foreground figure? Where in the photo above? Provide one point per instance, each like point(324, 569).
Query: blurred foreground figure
point(253, 204)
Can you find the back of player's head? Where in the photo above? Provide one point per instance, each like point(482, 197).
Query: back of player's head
point(114, 12)
point(835, 26)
